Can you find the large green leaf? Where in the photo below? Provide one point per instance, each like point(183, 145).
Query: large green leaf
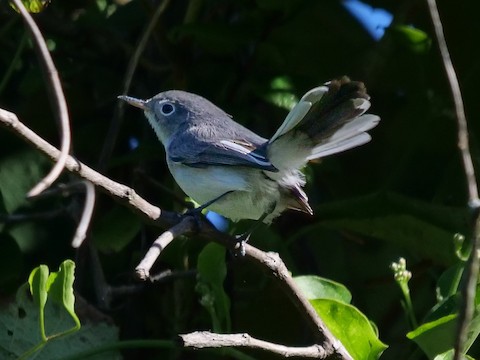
point(351, 327)
point(438, 336)
point(435, 337)
point(316, 287)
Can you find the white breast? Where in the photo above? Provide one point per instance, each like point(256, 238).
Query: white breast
point(252, 193)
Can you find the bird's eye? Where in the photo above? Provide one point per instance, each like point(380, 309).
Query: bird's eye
point(167, 109)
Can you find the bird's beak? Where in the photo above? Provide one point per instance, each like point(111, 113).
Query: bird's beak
point(133, 101)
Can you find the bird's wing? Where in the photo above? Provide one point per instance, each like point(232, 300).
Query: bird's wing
point(188, 150)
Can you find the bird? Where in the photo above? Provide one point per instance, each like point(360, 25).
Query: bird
point(234, 172)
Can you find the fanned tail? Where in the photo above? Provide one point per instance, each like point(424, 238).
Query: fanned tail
point(327, 120)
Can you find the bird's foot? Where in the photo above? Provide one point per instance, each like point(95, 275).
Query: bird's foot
point(241, 239)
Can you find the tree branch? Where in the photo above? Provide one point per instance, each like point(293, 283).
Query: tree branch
point(206, 339)
point(128, 197)
point(186, 225)
point(469, 289)
point(120, 192)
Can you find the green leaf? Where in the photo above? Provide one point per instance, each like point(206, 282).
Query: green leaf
point(316, 287)
point(19, 331)
point(38, 288)
point(351, 327)
point(281, 93)
point(33, 6)
point(18, 174)
point(116, 229)
point(438, 336)
point(60, 288)
point(435, 337)
point(449, 356)
point(445, 356)
point(211, 275)
point(448, 306)
point(27, 235)
point(413, 39)
point(38, 285)
point(449, 281)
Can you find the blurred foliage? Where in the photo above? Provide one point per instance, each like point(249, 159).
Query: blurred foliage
point(402, 195)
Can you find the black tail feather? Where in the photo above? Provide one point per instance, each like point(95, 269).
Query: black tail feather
point(335, 109)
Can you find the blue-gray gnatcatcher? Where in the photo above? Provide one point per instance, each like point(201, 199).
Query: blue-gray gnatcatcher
point(238, 174)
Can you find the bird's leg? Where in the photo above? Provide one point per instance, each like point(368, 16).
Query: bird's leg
point(207, 204)
point(242, 239)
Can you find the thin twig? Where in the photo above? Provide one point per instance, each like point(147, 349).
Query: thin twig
point(60, 105)
point(168, 275)
point(206, 339)
point(469, 289)
point(128, 197)
point(132, 66)
point(186, 225)
point(81, 232)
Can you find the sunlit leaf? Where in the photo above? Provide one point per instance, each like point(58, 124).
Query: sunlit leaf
point(414, 39)
point(351, 327)
point(281, 93)
point(33, 6)
point(316, 287)
point(38, 285)
point(60, 288)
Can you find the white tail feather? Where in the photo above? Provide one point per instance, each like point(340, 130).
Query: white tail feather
point(315, 94)
point(350, 135)
point(339, 146)
point(293, 118)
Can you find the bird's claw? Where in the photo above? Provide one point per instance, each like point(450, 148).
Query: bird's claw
point(242, 239)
